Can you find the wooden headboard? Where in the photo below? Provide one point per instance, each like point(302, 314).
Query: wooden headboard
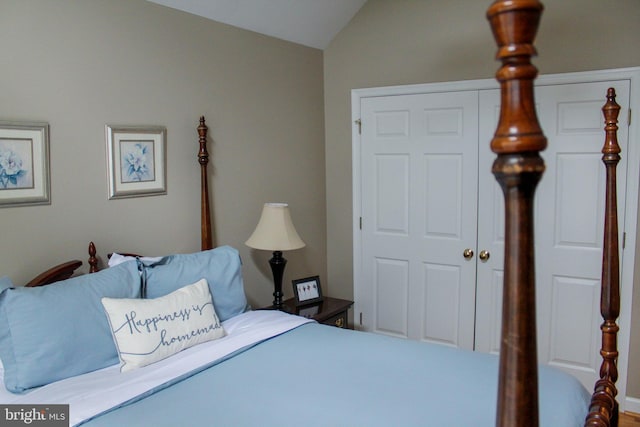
point(206, 232)
point(59, 272)
point(65, 270)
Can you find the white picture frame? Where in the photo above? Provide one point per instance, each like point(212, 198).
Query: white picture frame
point(136, 161)
point(24, 164)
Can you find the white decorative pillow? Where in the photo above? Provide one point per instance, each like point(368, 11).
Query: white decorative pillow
point(148, 330)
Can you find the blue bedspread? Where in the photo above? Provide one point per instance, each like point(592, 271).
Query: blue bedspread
point(318, 375)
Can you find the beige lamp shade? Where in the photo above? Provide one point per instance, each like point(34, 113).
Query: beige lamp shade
point(275, 230)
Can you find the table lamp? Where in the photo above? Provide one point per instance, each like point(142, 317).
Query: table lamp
point(275, 232)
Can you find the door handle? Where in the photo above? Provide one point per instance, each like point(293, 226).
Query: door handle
point(484, 255)
point(468, 253)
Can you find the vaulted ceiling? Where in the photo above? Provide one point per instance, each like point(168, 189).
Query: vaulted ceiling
point(311, 23)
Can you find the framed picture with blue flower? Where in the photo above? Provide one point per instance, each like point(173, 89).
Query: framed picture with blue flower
point(136, 157)
point(24, 163)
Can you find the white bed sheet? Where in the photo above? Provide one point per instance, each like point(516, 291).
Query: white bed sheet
point(95, 392)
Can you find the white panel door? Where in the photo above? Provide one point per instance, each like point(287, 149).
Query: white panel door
point(419, 195)
point(491, 225)
point(568, 228)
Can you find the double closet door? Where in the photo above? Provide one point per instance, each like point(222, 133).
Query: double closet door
point(432, 223)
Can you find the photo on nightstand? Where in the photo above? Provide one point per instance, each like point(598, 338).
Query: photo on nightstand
point(307, 290)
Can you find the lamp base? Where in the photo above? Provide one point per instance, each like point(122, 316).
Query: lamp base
point(277, 268)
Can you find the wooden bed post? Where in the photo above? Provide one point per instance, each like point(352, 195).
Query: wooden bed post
point(518, 168)
point(93, 261)
point(205, 215)
point(603, 401)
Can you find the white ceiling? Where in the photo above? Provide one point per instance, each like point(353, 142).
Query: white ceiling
point(311, 23)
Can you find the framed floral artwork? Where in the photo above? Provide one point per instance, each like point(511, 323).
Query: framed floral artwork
point(136, 157)
point(24, 163)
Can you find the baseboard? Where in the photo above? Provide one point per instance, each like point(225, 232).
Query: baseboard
point(632, 404)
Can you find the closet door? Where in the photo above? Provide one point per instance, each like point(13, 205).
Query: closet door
point(419, 195)
point(568, 229)
point(490, 231)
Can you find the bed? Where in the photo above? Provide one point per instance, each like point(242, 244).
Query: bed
point(242, 367)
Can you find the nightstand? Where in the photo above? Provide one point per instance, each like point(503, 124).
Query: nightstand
point(331, 311)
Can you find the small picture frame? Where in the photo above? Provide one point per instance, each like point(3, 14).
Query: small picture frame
point(24, 164)
point(136, 161)
point(307, 290)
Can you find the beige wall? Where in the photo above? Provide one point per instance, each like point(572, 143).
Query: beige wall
point(419, 41)
point(79, 65)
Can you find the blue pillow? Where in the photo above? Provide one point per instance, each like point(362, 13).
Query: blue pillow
point(221, 267)
point(5, 283)
point(60, 330)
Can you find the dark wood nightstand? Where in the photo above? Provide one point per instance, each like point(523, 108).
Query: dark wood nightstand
point(331, 311)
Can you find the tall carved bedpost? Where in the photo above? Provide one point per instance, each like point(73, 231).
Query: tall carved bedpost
point(205, 214)
point(93, 260)
point(518, 169)
point(603, 401)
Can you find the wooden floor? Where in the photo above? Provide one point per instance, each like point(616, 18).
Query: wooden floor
point(629, 419)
